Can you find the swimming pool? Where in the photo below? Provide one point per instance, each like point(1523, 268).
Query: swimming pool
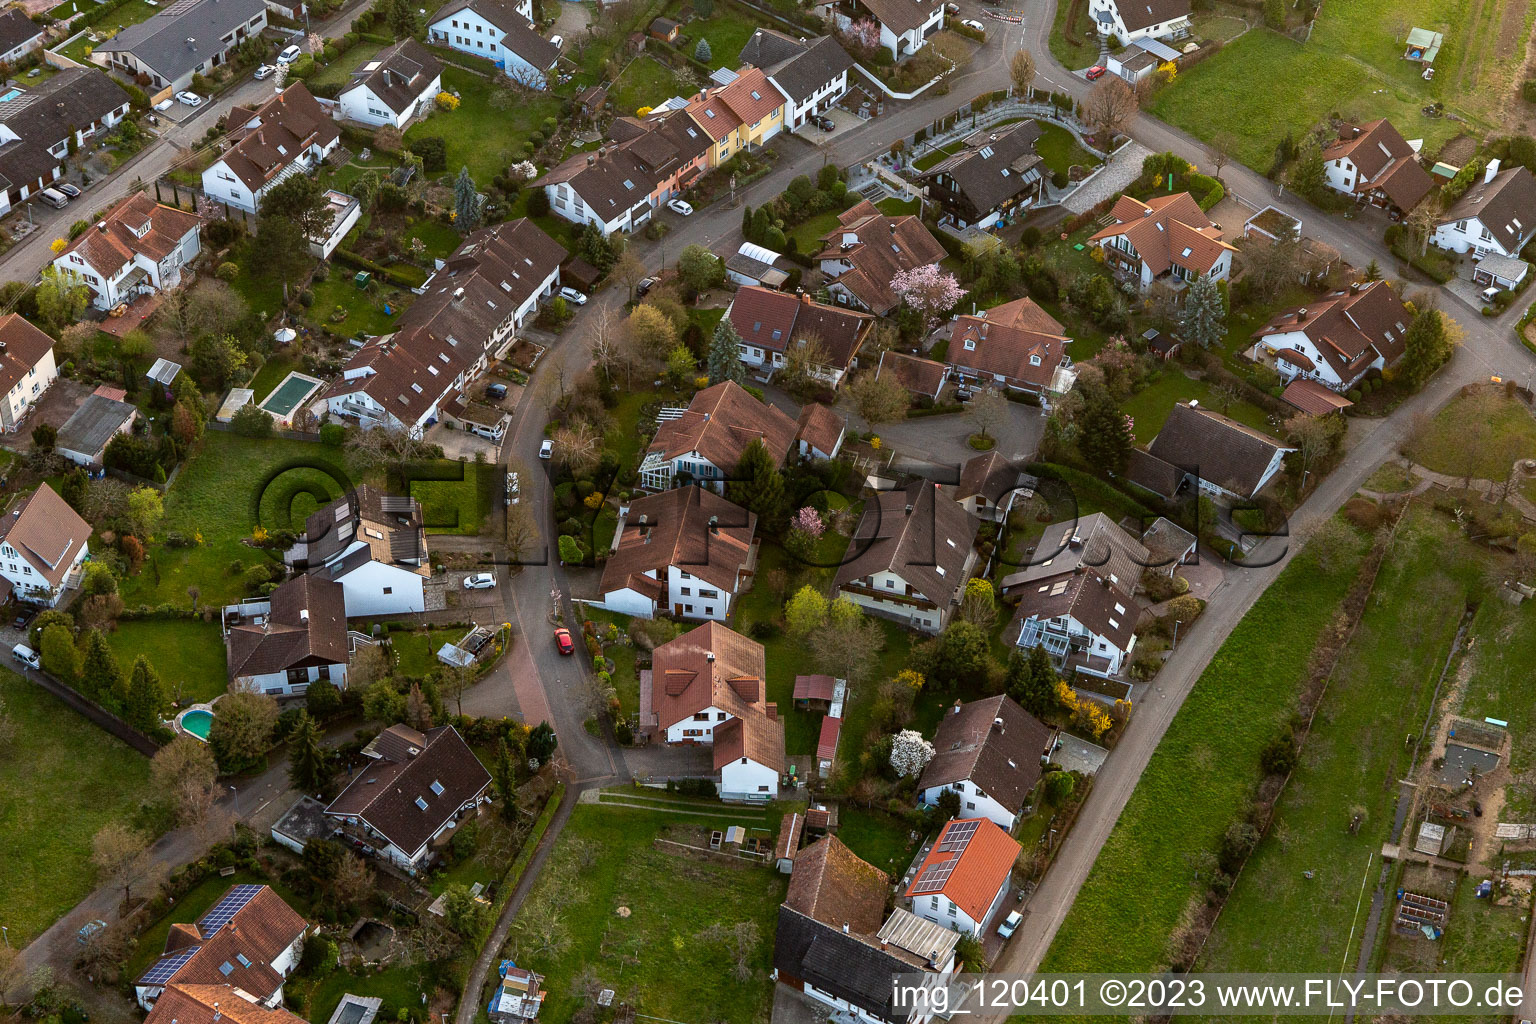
point(289, 395)
point(197, 722)
point(10, 95)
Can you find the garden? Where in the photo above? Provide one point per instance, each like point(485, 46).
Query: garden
point(486, 133)
point(187, 652)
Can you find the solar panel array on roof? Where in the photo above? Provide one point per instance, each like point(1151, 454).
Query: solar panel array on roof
point(225, 910)
point(957, 835)
point(933, 877)
point(166, 967)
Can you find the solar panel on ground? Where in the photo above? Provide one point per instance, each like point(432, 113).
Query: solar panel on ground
point(957, 835)
point(166, 967)
point(933, 877)
point(225, 910)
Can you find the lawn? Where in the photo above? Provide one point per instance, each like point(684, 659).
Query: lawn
point(616, 897)
point(227, 486)
point(440, 239)
point(877, 837)
point(110, 25)
point(188, 654)
point(416, 650)
point(891, 206)
point(61, 780)
point(478, 135)
point(1202, 774)
point(1074, 55)
point(1218, 27)
point(1502, 644)
point(339, 71)
point(626, 681)
point(646, 82)
point(1150, 406)
point(401, 988)
point(461, 504)
point(372, 311)
point(1378, 694)
point(727, 31)
point(1481, 434)
point(1302, 84)
point(1060, 150)
point(807, 234)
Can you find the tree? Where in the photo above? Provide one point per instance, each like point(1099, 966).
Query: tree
point(578, 447)
point(1313, 436)
point(699, 268)
point(541, 743)
point(301, 200)
point(60, 299)
point(282, 248)
point(848, 643)
point(242, 731)
point(504, 778)
point(1204, 321)
point(146, 696)
point(58, 654)
point(1032, 680)
point(805, 612)
point(146, 508)
point(1428, 344)
point(1110, 107)
point(1021, 69)
point(1373, 270)
point(652, 330)
point(929, 291)
point(1270, 267)
point(216, 360)
point(1103, 435)
point(369, 665)
point(879, 399)
point(1308, 177)
point(309, 769)
point(44, 437)
point(122, 857)
point(759, 486)
point(1274, 14)
point(960, 652)
point(701, 52)
point(681, 366)
point(522, 531)
point(184, 770)
point(417, 714)
point(74, 487)
point(383, 702)
point(630, 269)
point(386, 447)
point(1219, 151)
point(910, 753)
point(101, 677)
point(466, 203)
point(725, 354)
point(1059, 787)
point(979, 603)
point(401, 17)
point(804, 363)
point(987, 409)
point(462, 911)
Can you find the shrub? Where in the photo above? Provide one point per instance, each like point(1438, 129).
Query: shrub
point(447, 101)
point(332, 434)
point(227, 271)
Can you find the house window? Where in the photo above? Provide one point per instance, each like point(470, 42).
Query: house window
point(951, 910)
point(743, 760)
point(421, 803)
point(437, 788)
point(760, 789)
point(720, 716)
point(970, 805)
point(389, 590)
point(687, 591)
point(702, 716)
point(709, 609)
point(708, 593)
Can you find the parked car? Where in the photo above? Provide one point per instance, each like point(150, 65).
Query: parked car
point(67, 189)
point(573, 296)
point(26, 655)
point(480, 581)
point(644, 287)
point(190, 98)
point(23, 617)
point(164, 105)
point(1488, 295)
point(547, 449)
point(496, 391)
point(678, 206)
point(557, 40)
point(563, 641)
point(826, 124)
point(289, 55)
point(1012, 922)
point(1096, 72)
point(514, 491)
point(264, 72)
point(974, 26)
point(951, 9)
point(57, 200)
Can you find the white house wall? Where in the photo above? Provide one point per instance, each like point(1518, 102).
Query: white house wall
point(694, 604)
point(973, 804)
point(364, 591)
point(745, 779)
point(629, 602)
point(29, 389)
point(701, 727)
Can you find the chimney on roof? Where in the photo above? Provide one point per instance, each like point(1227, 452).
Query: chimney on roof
point(1076, 541)
point(303, 614)
point(772, 710)
point(845, 927)
point(1493, 168)
point(591, 159)
point(101, 226)
point(956, 709)
point(458, 293)
point(714, 524)
point(997, 723)
point(709, 656)
point(1301, 314)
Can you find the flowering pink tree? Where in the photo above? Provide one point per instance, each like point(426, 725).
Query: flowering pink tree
point(805, 528)
point(928, 290)
point(864, 33)
point(809, 520)
point(316, 44)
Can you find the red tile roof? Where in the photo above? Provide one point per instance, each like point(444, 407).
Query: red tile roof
point(819, 427)
point(1313, 399)
point(21, 347)
point(722, 421)
point(826, 744)
point(982, 866)
point(47, 532)
point(1167, 231)
point(878, 246)
point(1020, 354)
point(751, 96)
point(136, 226)
point(689, 527)
point(919, 376)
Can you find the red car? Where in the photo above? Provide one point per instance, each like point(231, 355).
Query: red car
point(1096, 72)
point(563, 641)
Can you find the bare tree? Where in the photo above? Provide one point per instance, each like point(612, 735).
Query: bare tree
point(385, 446)
point(541, 925)
point(1022, 71)
point(804, 362)
point(1421, 222)
point(1312, 435)
point(607, 333)
point(368, 666)
point(522, 531)
point(578, 446)
point(1268, 266)
point(629, 268)
point(1110, 107)
point(1227, 394)
point(879, 400)
point(122, 857)
point(185, 770)
point(194, 593)
point(353, 880)
point(988, 409)
point(1219, 151)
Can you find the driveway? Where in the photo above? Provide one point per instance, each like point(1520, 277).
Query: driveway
point(462, 444)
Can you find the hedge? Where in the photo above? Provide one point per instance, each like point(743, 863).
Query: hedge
point(364, 263)
point(374, 37)
point(96, 15)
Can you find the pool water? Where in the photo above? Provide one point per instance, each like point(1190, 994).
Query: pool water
point(197, 723)
point(10, 95)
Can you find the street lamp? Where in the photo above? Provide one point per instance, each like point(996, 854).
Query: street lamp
point(235, 791)
point(7, 933)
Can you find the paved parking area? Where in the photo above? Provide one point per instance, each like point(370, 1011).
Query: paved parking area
point(461, 444)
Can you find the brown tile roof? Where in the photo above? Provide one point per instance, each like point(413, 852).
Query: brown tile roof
point(788, 842)
point(675, 528)
point(1498, 204)
point(917, 533)
point(1147, 470)
point(1026, 315)
point(646, 153)
point(722, 421)
point(1167, 542)
point(390, 525)
point(815, 687)
point(136, 226)
point(275, 134)
point(21, 347)
point(1349, 328)
point(772, 320)
point(1226, 453)
point(994, 165)
point(1004, 760)
point(398, 74)
point(1018, 354)
point(47, 532)
point(212, 1004)
point(1139, 14)
point(981, 867)
point(1312, 398)
point(710, 665)
point(901, 15)
point(878, 246)
point(819, 427)
point(919, 376)
point(1384, 160)
point(1169, 230)
point(1094, 542)
point(238, 949)
point(307, 627)
point(835, 887)
point(758, 737)
point(990, 475)
point(1089, 597)
point(389, 795)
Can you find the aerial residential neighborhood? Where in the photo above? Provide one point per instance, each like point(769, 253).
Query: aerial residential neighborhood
point(761, 511)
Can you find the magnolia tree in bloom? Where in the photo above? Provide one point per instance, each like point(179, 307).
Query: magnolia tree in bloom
point(807, 520)
point(928, 290)
point(523, 169)
point(910, 753)
point(865, 32)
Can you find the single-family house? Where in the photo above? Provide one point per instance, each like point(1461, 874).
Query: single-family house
point(374, 545)
point(137, 248)
point(1092, 543)
point(989, 484)
point(288, 134)
point(246, 944)
point(412, 792)
point(181, 40)
point(1496, 215)
point(393, 86)
point(709, 687)
point(811, 73)
point(466, 316)
point(1206, 450)
point(1168, 239)
point(1017, 345)
point(1085, 621)
point(964, 879)
point(619, 186)
point(1338, 339)
point(1169, 545)
point(819, 432)
point(502, 32)
point(43, 543)
point(1140, 59)
point(40, 126)
point(19, 35)
point(215, 1004)
point(281, 645)
point(1375, 164)
point(993, 178)
point(773, 324)
point(743, 114)
point(705, 443)
point(910, 556)
point(1129, 20)
point(685, 551)
point(990, 753)
point(923, 378)
point(836, 944)
point(868, 249)
point(905, 25)
point(84, 437)
point(27, 369)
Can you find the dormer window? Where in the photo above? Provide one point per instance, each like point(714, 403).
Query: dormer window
point(970, 344)
point(1034, 360)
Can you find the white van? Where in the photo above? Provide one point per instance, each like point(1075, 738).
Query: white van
point(25, 655)
point(54, 198)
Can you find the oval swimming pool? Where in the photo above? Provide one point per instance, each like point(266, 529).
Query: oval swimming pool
point(197, 722)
